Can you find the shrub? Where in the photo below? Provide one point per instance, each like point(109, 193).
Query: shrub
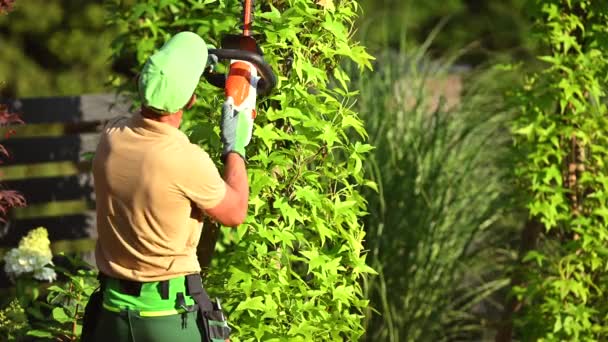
point(41, 310)
point(562, 132)
point(13, 322)
point(438, 228)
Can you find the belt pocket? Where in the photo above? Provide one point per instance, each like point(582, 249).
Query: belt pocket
point(216, 326)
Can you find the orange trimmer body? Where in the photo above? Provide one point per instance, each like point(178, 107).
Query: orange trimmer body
point(238, 81)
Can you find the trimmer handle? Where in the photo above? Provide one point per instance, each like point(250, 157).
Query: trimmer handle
point(268, 79)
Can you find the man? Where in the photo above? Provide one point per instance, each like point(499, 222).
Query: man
point(151, 186)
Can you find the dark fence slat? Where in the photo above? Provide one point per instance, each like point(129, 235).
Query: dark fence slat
point(41, 190)
point(70, 109)
point(60, 228)
point(40, 150)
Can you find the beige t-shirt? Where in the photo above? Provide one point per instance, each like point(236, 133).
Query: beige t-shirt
point(150, 182)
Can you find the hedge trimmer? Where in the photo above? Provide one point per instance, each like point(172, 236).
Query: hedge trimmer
point(238, 49)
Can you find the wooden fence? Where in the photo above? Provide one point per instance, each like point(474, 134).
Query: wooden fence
point(48, 165)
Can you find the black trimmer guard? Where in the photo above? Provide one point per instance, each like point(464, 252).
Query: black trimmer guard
point(242, 48)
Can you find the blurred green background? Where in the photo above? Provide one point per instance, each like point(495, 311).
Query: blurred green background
point(62, 47)
point(54, 47)
point(487, 28)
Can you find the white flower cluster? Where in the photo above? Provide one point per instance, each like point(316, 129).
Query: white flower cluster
point(33, 256)
point(46, 274)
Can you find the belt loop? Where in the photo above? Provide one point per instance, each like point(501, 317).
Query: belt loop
point(181, 301)
point(164, 289)
point(129, 287)
point(103, 279)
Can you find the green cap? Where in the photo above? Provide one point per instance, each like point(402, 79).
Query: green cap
point(171, 75)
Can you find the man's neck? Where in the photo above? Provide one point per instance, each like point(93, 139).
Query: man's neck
point(174, 119)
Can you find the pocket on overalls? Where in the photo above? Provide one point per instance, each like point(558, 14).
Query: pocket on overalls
point(215, 326)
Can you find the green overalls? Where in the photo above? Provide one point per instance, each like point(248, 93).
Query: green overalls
point(153, 311)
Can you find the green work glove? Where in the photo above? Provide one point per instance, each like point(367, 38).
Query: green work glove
point(236, 129)
point(237, 120)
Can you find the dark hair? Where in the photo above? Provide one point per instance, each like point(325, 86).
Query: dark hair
point(153, 113)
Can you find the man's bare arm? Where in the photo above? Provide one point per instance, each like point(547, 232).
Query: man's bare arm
point(232, 210)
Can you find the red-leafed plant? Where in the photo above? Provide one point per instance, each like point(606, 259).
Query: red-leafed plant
point(6, 5)
point(8, 198)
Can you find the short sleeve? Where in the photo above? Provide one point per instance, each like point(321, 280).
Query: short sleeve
point(200, 180)
point(115, 122)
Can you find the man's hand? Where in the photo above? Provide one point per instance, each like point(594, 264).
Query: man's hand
point(238, 114)
point(237, 128)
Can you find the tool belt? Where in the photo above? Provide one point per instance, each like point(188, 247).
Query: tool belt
point(210, 312)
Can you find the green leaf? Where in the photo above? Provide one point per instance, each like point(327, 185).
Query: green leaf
point(60, 315)
point(252, 304)
point(343, 293)
point(558, 325)
point(534, 256)
point(357, 124)
point(372, 185)
point(40, 333)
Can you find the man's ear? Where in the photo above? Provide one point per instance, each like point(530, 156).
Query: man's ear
point(191, 101)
